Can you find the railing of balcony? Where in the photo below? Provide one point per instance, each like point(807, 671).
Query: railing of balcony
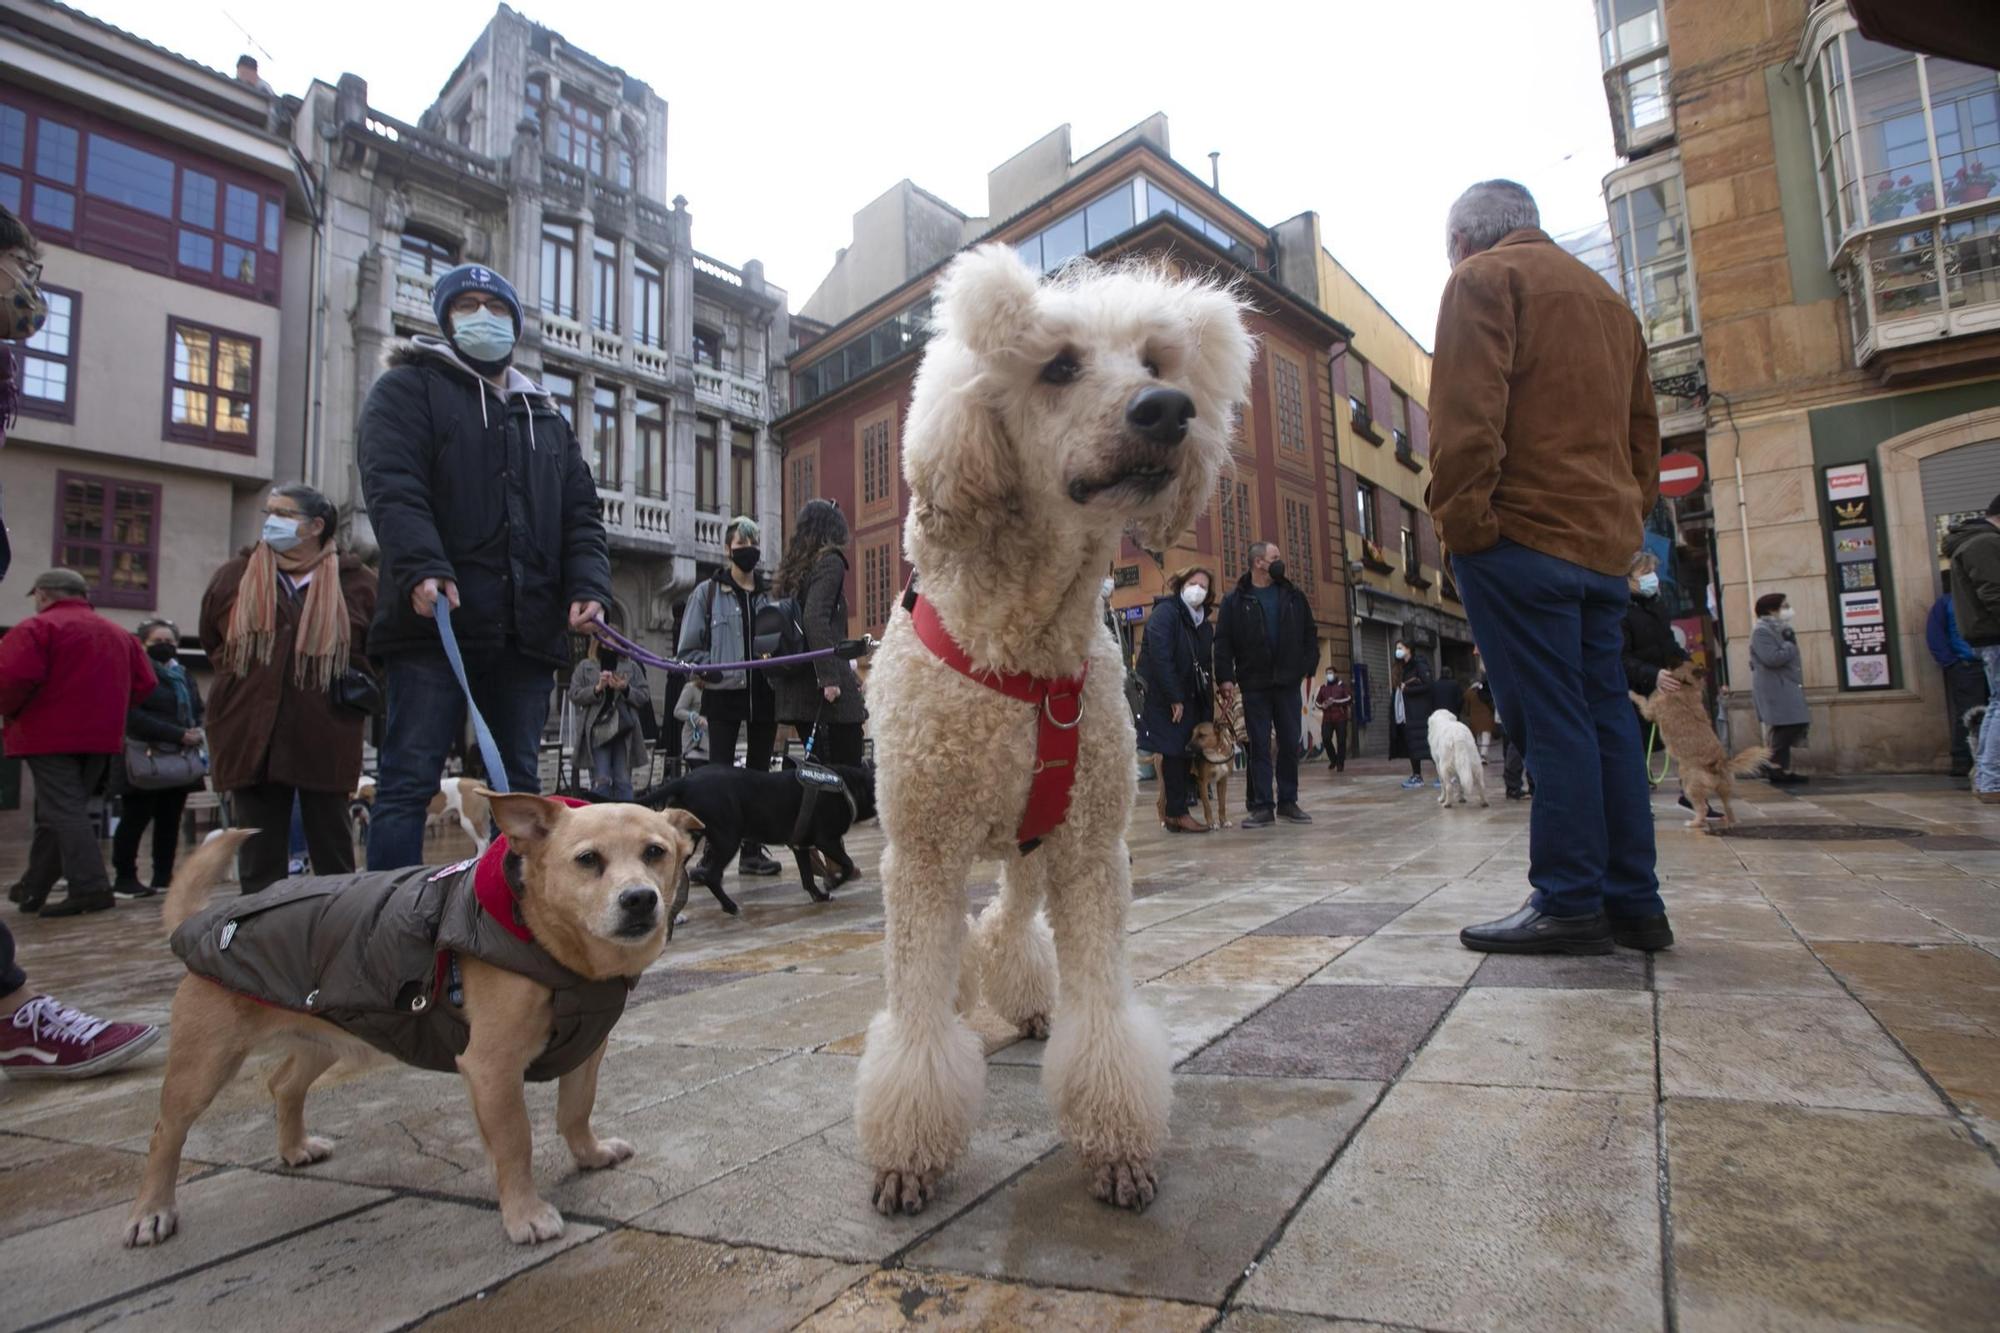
point(431, 145)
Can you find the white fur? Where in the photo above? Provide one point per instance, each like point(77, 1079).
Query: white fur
point(1456, 755)
point(1012, 559)
point(459, 799)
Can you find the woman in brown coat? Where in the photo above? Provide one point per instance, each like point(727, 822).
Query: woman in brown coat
point(279, 622)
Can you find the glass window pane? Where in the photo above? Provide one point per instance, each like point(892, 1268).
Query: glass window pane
point(83, 511)
point(45, 379)
point(129, 176)
point(55, 153)
point(10, 193)
point(132, 516)
point(1972, 260)
point(1062, 242)
point(1108, 217)
point(1159, 201)
point(1965, 108)
point(1894, 151)
point(232, 416)
point(239, 214)
point(1903, 273)
point(198, 199)
point(55, 208)
point(234, 361)
point(53, 338)
point(132, 572)
point(239, 263)
point(1646, 102)
point(13, 137)
point(191, 408)
point(197, 251)
point(273, 221)
point(191, 348)
point(1030, 252)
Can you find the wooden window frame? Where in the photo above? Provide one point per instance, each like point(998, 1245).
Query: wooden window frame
point(563, 247)
point(1297, 515)
point(604, 285)
point(714, 465)
point(607, 456)
point(649, 302)
point(102, 594)
point(209, 436)
point(1282, 363)
point(48, 409)
point(887, 503)
point(801, 479)
point(739, 457)
point(649, 473)
point(878, 582)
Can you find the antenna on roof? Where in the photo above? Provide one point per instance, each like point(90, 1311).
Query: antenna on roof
point(247, 35)
point(1215, 172)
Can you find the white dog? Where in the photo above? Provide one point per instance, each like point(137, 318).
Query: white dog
point(1047, 419)
point(459, 799)
point(1456, 755)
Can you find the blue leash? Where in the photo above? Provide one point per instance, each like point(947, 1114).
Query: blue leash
point(496, 772)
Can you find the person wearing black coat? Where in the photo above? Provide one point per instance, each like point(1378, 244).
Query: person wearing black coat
point(1412, 712)
point(479, 496)
point(826, 694)
point(171, 715)
point(1265, 646)
point(1447, 694)
point(1177, 666)
point(1651, 651)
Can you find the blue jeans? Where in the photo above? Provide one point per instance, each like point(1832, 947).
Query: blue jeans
point(427, 716)
point(1552, 634)
point(611, 770)
point(1986, 776)
point(1265, 711)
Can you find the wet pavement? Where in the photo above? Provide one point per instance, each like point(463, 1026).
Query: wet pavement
point(1788, 1121)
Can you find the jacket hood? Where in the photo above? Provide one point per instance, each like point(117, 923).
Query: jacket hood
point(1968, 530)
point(423, 349)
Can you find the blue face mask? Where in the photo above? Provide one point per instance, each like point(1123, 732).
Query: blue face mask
point(483, 335)
point(1649, 585)
point(280, 534)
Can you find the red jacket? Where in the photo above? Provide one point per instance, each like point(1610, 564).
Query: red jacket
point(67, 677)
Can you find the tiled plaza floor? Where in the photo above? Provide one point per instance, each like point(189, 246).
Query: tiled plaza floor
point(1789, 1121)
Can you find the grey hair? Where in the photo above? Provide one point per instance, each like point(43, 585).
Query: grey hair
point(742, 526)
point(1645, 562)
point(1256, 549)
point(1488, 211)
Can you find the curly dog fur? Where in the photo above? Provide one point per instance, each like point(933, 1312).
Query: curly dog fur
point(1023, 474)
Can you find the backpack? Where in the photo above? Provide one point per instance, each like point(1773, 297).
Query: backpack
point(779, 631)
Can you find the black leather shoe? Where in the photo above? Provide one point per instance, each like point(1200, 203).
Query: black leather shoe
point(1291, 814)
point(1643, 932)
point(130, 887)
point(1688, 806)
point(754, 862)
point(78, 904)
point(1516, 795)
point(1530, 931)
point(1257, 819)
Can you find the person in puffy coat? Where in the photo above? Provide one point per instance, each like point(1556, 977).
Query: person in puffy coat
point(1177, 667)
point(170, 715)
point(1411, 681)
point(480, 499)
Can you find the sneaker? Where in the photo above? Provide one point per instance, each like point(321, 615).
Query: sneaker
point(1687, 805)
point(1257, 819)
point(1291, 814)
point(78, 904)
point(1412, 783)
point(45, 1039)
point(1988, 797)
point(754, 862)
point(130, 886)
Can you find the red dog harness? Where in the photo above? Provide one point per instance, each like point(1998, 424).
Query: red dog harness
point(1059, 700)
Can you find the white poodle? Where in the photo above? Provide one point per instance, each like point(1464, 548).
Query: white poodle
point(1456, 755)
point(1048, 418)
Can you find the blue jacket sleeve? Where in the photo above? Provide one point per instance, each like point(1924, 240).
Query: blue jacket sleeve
point(1937, 632)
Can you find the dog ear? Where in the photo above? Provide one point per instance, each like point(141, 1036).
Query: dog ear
point(525, 819)
point(684, 820)
point(986, 300)
point(1218, 378)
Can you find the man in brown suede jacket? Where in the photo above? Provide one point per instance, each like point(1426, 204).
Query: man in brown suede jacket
point(1545, 458)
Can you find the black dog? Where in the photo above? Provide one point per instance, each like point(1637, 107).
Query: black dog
point(735, 804)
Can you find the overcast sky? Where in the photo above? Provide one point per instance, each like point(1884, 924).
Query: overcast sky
point(786, 118)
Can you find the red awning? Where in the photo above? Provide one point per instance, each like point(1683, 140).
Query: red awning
point(1967, 30)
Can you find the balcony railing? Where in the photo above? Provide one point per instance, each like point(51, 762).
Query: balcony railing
point(728, 392)
point(434, 146)
point(637, 520)
point(412, 296)
point(1675, 363)
point(708, 530)
point(1918, 283)
point(607, 346)
point(654, 361)
point(718, 270)
point(562, 335)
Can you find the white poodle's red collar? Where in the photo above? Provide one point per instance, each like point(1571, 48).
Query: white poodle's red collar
point(1055, 697)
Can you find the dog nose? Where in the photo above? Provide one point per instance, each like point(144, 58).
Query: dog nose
point(639, 901)
point(1160, 414)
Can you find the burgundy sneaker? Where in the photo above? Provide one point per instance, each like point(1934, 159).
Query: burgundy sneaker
point(46, 1039)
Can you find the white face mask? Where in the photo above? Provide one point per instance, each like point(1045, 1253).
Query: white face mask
point(1194, 595)
point(1785, 613)
point(1110, 586)
point(1649, 584)
point(1402, 653)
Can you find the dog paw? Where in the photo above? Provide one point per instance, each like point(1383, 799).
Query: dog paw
point(312, 1149)
point(1126, 1184)
point(908, 1192)
point(532, 1224)
point(1035, 1027)
point(606, 1153)
point(151, 1226)
point(818, 894)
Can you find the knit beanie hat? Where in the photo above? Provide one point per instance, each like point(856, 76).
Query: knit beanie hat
point(473, 278)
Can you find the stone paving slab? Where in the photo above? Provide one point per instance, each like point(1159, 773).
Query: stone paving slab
point(893, 1301)
point(1482, 1208)
point(1345, 1032)
point(1583, 1041)
point(635, 1279)
point(43, 1182)
point(1334, 918)
point(1942, 1004)
point(1786, 1049)
point(1276, 961)
point(1402, 960)
point(1243, 1151)
point(1740, 966)
point(377, 1269)
point(82, 1260)
point(1623, 969)
point(1858, 1220)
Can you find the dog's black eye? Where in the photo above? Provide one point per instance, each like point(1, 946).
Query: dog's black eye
point(1063, 370)
point(653, 853)
point(590, 860)
point(1152, 367)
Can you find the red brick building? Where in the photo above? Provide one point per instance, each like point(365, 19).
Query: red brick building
point(851, 387)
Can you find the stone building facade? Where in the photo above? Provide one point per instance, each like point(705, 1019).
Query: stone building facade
point(550, 165)
point(1843, 219)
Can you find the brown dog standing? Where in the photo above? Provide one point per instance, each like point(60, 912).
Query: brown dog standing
point(510, 968)
point(1706, 768)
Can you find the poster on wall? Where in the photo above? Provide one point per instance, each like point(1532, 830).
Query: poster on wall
point(1861, 622)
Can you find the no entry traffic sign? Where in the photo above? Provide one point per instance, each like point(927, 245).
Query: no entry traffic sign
point(1680, 474)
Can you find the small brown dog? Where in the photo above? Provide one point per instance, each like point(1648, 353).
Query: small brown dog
point(1209, 757)
point(577, 901)
point(1706, 768)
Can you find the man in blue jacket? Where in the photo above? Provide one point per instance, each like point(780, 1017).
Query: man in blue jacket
point(1964, 674)
point(480, 498)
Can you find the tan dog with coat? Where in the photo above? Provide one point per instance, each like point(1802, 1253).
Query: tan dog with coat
point(591, 890)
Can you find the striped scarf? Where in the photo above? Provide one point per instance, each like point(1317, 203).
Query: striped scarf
point(319, 654)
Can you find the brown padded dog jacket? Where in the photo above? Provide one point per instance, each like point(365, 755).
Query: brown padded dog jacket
point(364, 952)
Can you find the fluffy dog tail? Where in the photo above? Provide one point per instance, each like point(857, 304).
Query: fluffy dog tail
point(198, 874)
point(1748, 763)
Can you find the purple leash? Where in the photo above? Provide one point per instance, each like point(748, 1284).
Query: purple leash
point(847, 648)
